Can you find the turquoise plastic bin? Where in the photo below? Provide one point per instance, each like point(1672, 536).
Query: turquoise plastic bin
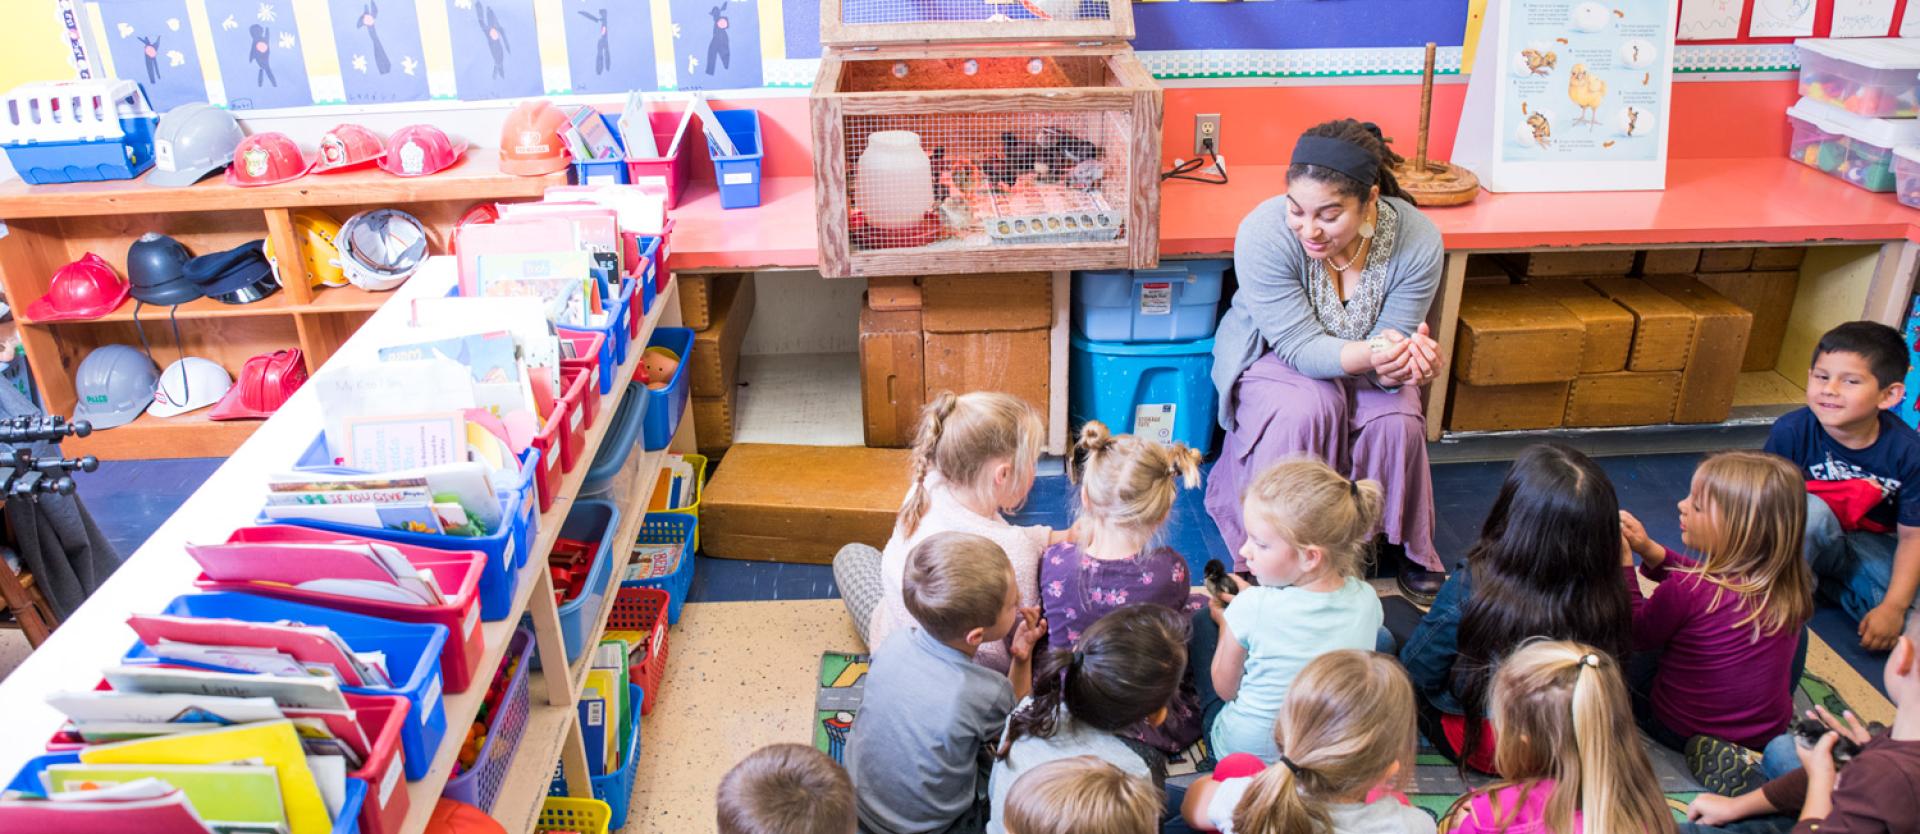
point(1159, 390)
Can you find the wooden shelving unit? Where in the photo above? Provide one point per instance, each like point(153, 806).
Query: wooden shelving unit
point(48, 226)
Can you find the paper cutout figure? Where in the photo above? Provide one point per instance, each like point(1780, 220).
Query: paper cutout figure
point(602, 56)
point(489, 21)
point(262, 54)
point(369, 20)
point(151, 49)
point(720, 46)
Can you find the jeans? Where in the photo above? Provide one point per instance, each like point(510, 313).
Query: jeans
point(1206, 641)
point(1850, 569)
point(1770, 824)
point(1642, 668)
point(1779, 759)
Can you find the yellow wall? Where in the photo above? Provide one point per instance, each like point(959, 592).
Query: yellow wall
point(32, 47)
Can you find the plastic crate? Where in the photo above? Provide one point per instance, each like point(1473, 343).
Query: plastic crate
point(586, 352)
point(699, 488)
point(638, 608)
point(1158, 390)
point(579, 816)
point(665, 406)
point(670, 528)
point(480, 784)
point(413, 657)
point(573, 440)
point(1877, 77)
point(596, 522)
point(382, 717)
point(618, 445)
point(739, 175)
point(666, 173)
point(456, 572)
point(78, 131)
point(1177, 302)
point(610, 171)
point(27, 781)
point(616, 788)
point(1850, 147)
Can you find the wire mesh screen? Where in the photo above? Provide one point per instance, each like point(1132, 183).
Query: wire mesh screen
point(961, 11)
point(977, 180)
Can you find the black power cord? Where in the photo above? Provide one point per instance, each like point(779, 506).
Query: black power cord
point(1185, 170)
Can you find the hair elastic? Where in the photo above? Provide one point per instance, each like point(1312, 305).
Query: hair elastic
point(1296, 769)
point(1340, 155)
point(1590, 660)
point(1079, 656)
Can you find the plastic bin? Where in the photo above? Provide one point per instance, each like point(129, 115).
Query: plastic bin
point(382, 717)
point(576, 816)
point(480, 784)
point(699, 463)
point(586, 352)
point(1906, 174)
point(668, 173)
point(1878, 77)
point(618, 445)
point(456, 572)
point(1850, 147)
point(573, 440)
point(27, 781)
point(588, 521)
point(550, 443)
point(739, 175)
point(609, 171)
point(615, 329)
point(647, 250)
point(670, 528)
point(616, 788)
point(638, 608)
point(665, 406)
point(413, 657)
point(78, 131)
point(1177, 302)
point(1162, 391)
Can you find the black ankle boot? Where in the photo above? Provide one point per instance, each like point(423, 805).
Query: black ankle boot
point(1418, 584)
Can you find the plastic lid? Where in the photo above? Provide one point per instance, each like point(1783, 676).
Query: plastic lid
point(1872, 53)
point(1885, 133)
point(1910, 153)
point(1196, 347)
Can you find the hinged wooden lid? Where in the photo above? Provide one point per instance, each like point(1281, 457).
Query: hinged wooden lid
point(851, 23)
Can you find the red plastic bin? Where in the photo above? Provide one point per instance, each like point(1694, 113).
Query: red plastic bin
point(549, 440)
point(573, 439)
point(457, 572)
point(589, 393)
point(642, 609)
point(671, 172)
point(381, 717)
point(586, 357)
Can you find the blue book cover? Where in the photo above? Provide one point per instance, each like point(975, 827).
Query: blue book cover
point(593, 732)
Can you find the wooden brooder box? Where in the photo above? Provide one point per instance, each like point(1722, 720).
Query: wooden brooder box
point(1040, 138)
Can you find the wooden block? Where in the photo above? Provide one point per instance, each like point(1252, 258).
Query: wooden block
point(893, 293)
point(893, 382)
point(1719, 346)
point(801, 503)
point(989, 333)
point(1625, 398)
point(1769, 296)
point(1562, 264)
point(1737, 259)
point(1512, 334)
point(1778, 257)
point(716, 350)
point(1541, 405)
point(1609, 326)
point(1662, 327)
point(713, 420)
point(697, 294)
point(971, 303)
point(1667, 262)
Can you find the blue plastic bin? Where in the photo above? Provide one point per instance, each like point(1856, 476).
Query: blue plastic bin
point(670, 528)
point(665, 406)
point(609, 171)
point(1159, 390)
point(347, 822)
point(619, 443)
point(589, 521)
point(739, 175)
point(1178, 302)
point(412, 650)
point(616, 788)
point(613, 350)
point(648, 272)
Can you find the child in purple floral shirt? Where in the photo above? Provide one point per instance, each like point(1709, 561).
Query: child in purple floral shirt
point(1127, 487)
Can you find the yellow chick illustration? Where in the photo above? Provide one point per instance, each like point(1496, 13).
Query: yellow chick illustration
point(1588, 92)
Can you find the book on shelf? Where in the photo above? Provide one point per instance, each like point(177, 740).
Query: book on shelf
point(273, 743)
point(315, 693)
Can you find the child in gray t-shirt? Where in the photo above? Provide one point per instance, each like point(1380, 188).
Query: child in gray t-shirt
point(918, 752)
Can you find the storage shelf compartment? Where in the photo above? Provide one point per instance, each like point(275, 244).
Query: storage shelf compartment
point(807, 399)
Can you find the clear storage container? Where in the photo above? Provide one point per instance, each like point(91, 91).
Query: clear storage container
point(1876, 77)
point(1906, 174)
point(1849, 146)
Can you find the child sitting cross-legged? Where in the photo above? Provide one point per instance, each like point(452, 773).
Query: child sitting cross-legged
point(918, 755)
point(786, 789)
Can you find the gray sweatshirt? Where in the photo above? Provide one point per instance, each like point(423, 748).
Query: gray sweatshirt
point(1272, 311)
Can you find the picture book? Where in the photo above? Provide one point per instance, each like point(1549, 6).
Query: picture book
point(563, 281)
point(321, 693)
point(150, 807)
point(221, 794)
point(385, 443)
point(404, 518)
point(309, 646)
point(274, 743)
point(490, 356)
point(598, 139)
point(652, 561)
point(636, 129)
point(99, 706)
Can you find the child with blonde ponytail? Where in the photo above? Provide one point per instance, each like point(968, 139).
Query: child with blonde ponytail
point(1570, 761)
point(1347, 728)
point(973, 459)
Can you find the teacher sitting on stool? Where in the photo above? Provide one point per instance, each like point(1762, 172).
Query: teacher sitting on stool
point(1325, 347)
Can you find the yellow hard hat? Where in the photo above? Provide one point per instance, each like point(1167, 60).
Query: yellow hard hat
point(315, 232)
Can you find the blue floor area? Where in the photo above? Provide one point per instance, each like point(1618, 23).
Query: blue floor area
point(130, 498)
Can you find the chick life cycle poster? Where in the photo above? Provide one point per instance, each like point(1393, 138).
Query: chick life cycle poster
point(1576, 97)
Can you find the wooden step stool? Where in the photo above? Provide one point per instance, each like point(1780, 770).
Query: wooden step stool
point(773, 503)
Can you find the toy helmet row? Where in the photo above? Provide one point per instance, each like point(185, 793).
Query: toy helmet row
point(380, 249)
point(85, 289)
point(114, 384)
point(530, 139)
point(413, 151)
point(192, 141)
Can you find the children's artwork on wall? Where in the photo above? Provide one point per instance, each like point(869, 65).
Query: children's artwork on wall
point(378, 42)
point(610, 46)
point(261, 54)
point(1781, 19)
point(1710, 20)
point(496, 50)
point(1297, 25)
point(716, 44)
point(151, 41)
point(1862, 18)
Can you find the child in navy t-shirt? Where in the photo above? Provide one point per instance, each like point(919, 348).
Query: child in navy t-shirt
point(1863, 477)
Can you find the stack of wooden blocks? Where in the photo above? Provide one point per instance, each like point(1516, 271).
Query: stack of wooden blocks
point(1576, 340)
point(718, 308)
point(959, 333)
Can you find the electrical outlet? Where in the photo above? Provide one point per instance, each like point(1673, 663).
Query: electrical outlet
point(1206, 126)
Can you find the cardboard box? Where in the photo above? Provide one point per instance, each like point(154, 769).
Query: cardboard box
point(1778, 257)
point(697, 295)
point(1541, 405)
point(1662, 327)
point(1719, 346)
point(1667, 262)
point(801, 503)
point(1737, 259)
point(1569, 264)
point(1769, 296)
point(888, 294)
point(893, 386)
point(989, 333)
point(1625, 398)
point(1609, 327)
point(716, 350)
point(1512, 335)
point(713, 420)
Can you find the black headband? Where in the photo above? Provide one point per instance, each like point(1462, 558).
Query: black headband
point(1338, 155)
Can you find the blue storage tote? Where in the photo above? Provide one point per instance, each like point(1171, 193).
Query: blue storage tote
point(670, 528)
point(739, 175)
point(1159, 390)
point(27, 781)
point(616, 788)
point(665, 406)
point(588, 521)
point(609, 171)
point(1178, 302)
point(413, 658)
point(78, 131)
point(619, 443)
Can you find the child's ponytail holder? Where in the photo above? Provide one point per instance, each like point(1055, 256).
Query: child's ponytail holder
point(1297, 770)
point(1590, 660)
point(1353, 488)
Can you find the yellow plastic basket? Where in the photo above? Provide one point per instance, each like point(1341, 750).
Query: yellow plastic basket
point(564, 813)
point(699, 486)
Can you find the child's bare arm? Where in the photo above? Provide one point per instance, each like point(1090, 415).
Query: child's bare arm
point(1229, 663)
point(1881, 627)
point(1027, 631)
point(1193, 809)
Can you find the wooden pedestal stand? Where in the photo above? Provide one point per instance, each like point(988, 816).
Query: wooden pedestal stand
point(1430, 182)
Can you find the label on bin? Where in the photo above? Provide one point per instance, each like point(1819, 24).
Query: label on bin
point(430, 700)
point(393, 776)
point(573, 420)
point(473, 622)
point(506, 556)
point(738, 178)
point(1154, 421)
point(1156, 299)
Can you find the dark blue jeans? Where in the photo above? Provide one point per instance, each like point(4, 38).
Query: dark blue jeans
point(1771, 824)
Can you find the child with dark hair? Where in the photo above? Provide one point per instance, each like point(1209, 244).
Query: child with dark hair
point(1863, 477)
point(786, 789)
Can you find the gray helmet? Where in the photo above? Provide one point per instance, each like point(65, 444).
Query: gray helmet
point(114, 385)
point(192, 141)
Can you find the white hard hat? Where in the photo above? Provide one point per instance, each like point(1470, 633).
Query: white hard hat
point(189, 384)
